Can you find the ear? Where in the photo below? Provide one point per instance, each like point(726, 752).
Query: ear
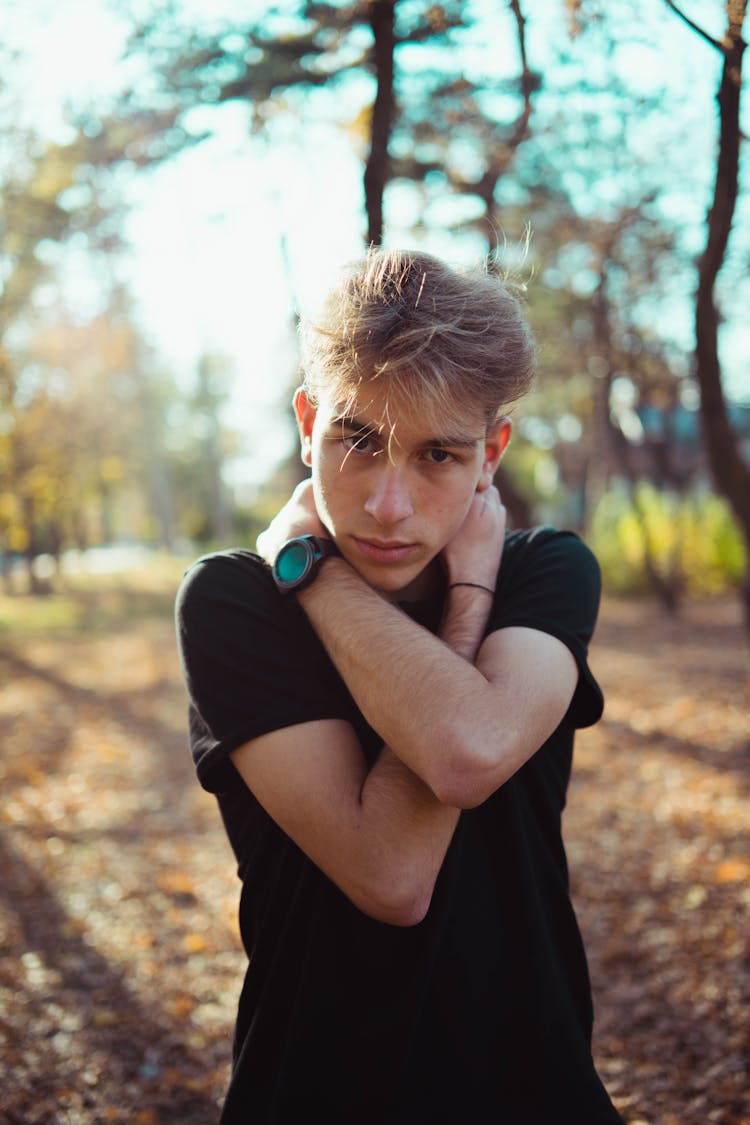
point(495, 445)
point(304, 412)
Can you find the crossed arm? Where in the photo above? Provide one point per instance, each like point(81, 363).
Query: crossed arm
point(457, 717)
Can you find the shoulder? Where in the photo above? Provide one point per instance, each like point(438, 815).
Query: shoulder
point(545, 542)
point(230, 598)
point(221, 569)
point(547, 560)
point(229, 601)
point(228, 579)
point(550, 581)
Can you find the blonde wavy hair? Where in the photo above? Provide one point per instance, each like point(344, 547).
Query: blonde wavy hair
point(441, 341)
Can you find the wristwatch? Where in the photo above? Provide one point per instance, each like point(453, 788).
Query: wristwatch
point(298, 560)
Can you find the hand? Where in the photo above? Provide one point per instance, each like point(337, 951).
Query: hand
point(474, 553)
point(299, 516)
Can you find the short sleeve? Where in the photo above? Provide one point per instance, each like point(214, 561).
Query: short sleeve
point(550, 580)
point(251, 662)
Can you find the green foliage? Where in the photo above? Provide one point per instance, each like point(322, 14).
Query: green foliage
point(98, 444)
point(692, 539)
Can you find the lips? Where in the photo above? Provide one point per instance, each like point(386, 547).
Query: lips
point(384, 551)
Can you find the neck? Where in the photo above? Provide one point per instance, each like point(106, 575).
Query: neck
point(425, 584)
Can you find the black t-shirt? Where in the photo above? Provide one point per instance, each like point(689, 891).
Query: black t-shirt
point(481, 1012)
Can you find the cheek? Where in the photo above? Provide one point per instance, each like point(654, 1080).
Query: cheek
point(450, 513)
point(327, 488)
point(321, 492)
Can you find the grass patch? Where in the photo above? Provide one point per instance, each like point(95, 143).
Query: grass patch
point(82, 604)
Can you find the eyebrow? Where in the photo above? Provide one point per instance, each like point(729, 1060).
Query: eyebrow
point(360, 426)
point(353, 423)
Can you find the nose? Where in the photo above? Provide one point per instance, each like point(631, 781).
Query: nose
point(389, 500)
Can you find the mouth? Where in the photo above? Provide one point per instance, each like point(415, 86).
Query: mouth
point(385, 551)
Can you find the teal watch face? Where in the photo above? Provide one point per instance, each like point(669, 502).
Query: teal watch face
point(298, 560)
point(292, 562)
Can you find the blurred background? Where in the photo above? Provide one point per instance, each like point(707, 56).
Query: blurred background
point(181, 179)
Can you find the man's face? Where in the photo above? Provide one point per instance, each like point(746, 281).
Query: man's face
point(392, 496)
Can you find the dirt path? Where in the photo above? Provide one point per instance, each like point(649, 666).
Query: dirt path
point(119, 959)
point(659, 843)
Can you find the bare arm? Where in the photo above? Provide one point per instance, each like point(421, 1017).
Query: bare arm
point(463, 728)
point(463, 721)
point(379, 834)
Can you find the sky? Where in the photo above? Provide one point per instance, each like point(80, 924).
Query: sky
point(220, 238)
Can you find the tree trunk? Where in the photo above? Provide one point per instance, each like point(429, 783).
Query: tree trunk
point(377, 169)
point(502, 159)
point(598, 462)
point(34, 584)
point(731, 473)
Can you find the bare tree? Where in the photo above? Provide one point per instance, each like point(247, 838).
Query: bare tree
point(381, 18)
point(731, 472)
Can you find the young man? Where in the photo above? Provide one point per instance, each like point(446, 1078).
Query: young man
point(385, 709)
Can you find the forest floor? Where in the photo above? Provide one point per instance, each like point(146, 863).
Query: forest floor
point(120, 962)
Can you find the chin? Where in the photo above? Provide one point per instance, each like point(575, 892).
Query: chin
point(386, 583)
point(410, 587)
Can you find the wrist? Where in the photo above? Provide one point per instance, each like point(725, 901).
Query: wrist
point(473, 586)
point(333, 572)
point(467, 610)
point(476, 571)
point(298, 561)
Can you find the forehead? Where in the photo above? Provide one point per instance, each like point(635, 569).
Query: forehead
point(404, 421)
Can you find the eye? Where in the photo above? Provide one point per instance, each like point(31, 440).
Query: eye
point(358, 442)
point(439, 456)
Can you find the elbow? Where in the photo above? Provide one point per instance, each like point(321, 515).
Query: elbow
point(396, 902)
point(461, 791)
point(402, 914)
point(467, 778)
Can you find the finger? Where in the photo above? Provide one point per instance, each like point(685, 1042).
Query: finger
point(261, 543)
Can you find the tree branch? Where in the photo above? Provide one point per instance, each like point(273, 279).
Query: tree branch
point(730, 470)
point(698, 30)
point(377, 170)
point(500, 160)
point(515, 7)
